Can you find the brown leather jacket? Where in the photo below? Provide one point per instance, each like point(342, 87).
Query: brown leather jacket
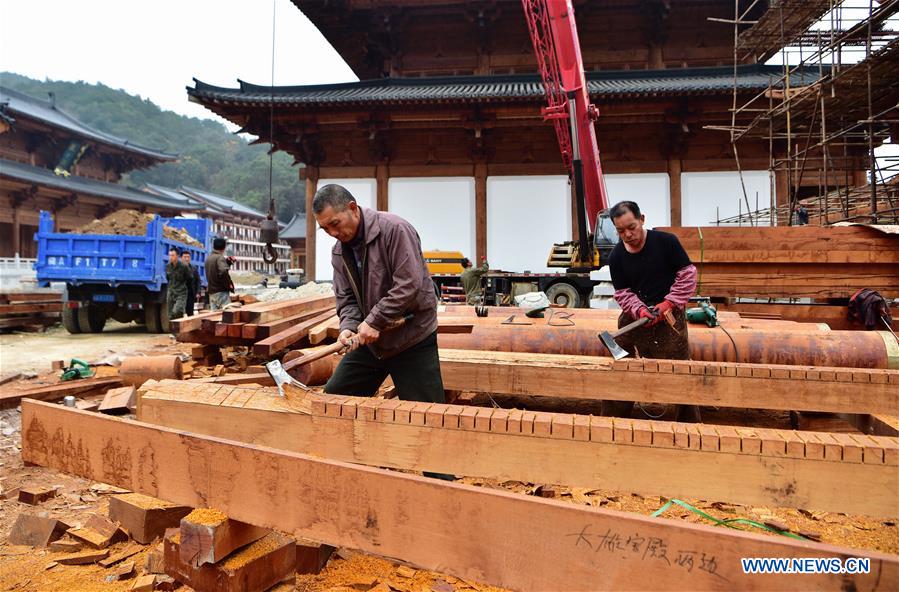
point(394, 282)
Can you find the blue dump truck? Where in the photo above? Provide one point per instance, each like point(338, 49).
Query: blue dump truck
point(116, 276)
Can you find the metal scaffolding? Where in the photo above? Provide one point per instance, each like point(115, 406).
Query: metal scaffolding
point(835, 102)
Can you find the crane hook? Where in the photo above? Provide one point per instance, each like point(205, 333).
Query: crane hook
point(268, 254)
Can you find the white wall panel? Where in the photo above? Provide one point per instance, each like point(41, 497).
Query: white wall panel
point(365, 192)
point(525, 216)
point(704, 192)
point(440, 208)
point(649, 190)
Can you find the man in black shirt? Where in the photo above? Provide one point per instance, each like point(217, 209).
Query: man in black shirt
point(652, 276)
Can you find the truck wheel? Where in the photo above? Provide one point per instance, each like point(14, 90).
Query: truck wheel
point(164, 318)
point(70, 319)
point(91, 319)
point(151, 317)
point(563, 295)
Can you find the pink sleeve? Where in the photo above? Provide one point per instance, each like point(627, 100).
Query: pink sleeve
point(628, 301)
point(684, 286)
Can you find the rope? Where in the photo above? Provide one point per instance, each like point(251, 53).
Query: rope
point(729, 522)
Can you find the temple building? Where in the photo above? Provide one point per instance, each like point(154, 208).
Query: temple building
point(444, 127)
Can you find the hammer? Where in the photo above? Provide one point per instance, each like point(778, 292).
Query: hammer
point(608, 339)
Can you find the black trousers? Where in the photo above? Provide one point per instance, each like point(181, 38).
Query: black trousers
point(415, 373)
point(189, 305)
point(661, 341)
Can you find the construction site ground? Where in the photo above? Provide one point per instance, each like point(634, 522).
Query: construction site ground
point(24, 569)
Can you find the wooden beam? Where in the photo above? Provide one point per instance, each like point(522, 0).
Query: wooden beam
point(208, 536)
point(311, 186)
point(508, 540)
point(279, 341)
point(725, 384)
point(480, 209)
point(56, 392)
point(781, 468)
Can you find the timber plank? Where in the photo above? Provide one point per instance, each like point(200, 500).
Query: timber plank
point(751, 386)
point(423, 521)
point(57, 391)
point(272, 312)
point(376, 437)
point(279, 341)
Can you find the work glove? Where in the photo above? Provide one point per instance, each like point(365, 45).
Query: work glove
point(645, 313)
point(660, 310)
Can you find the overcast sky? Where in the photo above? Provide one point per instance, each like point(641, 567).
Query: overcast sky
point(154, 49)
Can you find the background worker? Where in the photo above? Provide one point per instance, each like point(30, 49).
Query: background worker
point(471, 279)
point(652, 276)
point(380, 277)
point(193, 287)
point(218, 275)
point(178, 277)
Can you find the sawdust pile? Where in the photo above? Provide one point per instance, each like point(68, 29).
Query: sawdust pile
point(133, 223)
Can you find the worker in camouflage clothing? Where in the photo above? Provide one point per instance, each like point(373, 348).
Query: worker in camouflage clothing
point(178, 276)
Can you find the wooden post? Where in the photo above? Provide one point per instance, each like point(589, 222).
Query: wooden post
point(674, 186)
point(16, 229)
point(782, 194)
point(382, 174)
point(480, 209)
point(311, 186)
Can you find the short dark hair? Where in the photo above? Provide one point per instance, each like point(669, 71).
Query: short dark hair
point(465, 262)
point(622, 208)
point(176, 250)
point(332, 195)
point(219, 242)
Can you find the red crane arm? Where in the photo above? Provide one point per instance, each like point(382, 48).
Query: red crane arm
point(558, 51)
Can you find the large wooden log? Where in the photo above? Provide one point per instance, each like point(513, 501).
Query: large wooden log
point(509, 540)
point(775, 467)
point(849, 349)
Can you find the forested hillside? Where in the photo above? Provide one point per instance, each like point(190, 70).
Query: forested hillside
point(212, 158)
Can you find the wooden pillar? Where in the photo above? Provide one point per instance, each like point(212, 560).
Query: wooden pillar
point(480, 211)
point(16, 228)
point(311, 186)
point(656, 62)
point(674, 186)
point(782, 194)
point(382, 175)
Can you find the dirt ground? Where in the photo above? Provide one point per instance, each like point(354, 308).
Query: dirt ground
point(34, 352)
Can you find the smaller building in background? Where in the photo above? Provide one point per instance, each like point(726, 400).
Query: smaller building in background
point(51, 161)
point(294, 234)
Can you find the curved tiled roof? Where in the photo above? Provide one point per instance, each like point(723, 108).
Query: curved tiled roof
point(295, 229)
point(496, 88)
point(46, 178)
point(19, 104)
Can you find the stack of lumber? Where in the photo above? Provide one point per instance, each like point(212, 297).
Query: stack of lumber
point(804, 261)
point(29, 310)
point(268, 328)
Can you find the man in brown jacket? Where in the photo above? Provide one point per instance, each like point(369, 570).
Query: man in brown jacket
point(380, 278)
